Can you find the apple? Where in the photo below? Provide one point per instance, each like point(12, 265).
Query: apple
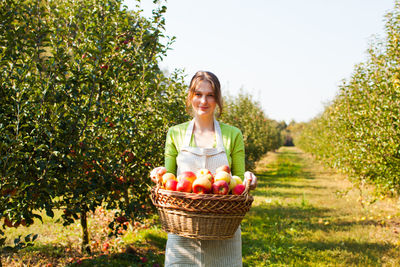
point(121, 179)
point(105, 247)
point(220, 187)
point(238, 189)
point(222, 175)
point(121, 219)
point(232, 184)
point(8, 223)
point(184, 185)
point(188, 175)
point(224, 168)
point(168, 176)
point(171, 184)
point(205, 173)
point(238, 179)
point(202, 185)
point(128, 156)
point(157, 173)
point(235, 180)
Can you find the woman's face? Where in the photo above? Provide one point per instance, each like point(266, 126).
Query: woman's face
point(203, 101)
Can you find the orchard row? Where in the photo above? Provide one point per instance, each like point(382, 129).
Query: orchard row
point(84, 110)
point(359, 132)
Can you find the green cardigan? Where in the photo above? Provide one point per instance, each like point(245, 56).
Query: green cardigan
point(232, 139)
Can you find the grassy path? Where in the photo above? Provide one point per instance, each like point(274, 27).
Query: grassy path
point(301, 217)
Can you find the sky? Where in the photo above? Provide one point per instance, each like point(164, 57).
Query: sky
point(290, 55)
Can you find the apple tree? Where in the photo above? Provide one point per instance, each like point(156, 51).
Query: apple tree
point(85, 108)
point(358, 133)
point(260, 133)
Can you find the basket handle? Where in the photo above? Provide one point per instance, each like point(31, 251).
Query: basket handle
point(248, 181)
point(247, 189)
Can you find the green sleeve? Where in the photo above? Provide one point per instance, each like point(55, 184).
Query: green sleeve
point(171, 153)
point(237, 153)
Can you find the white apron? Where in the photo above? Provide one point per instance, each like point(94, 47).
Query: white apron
point(187, 252)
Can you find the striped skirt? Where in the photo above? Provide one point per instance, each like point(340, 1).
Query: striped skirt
point(187, 252)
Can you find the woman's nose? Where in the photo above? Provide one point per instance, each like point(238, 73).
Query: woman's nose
point(203, 99)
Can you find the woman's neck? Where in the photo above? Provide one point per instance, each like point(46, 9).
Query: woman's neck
point(204, 124)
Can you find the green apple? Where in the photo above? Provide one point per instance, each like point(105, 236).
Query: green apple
point(235, 181)
point(222, 175)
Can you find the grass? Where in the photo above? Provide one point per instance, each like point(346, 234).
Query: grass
point(302, 215)
point(142, 244)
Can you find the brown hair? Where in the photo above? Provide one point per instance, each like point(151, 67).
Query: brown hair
point(207, 76)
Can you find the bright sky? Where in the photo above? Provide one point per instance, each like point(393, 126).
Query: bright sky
point(290, 55)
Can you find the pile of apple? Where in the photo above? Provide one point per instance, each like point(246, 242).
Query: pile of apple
point(202, 182)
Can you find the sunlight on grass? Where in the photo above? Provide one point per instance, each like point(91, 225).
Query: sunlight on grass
point(302, 215)
point(298, 219)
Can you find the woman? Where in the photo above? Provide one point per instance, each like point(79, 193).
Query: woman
point(205, 143)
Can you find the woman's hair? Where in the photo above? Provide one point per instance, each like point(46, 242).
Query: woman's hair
point(199, 77)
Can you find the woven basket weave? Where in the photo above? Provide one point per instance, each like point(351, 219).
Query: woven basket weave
point(201, 216)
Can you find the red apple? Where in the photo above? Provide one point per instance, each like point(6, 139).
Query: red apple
point(171, 184)
point(224, 168)
point(184, 186)
point(105, 247)
point(121, 219)
point(220, 187)
point(202, 185)
point(8, 223)
point(121, 179)
point(222, 175)
point(238, 189)
point(188, 175)
point(205, 173)
point(167, 176)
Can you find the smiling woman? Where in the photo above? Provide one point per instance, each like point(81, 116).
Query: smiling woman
point(204, 143)
point(204, 93)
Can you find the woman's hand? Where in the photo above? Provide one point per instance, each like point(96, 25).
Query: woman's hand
point(250, 178)
point(157, 173)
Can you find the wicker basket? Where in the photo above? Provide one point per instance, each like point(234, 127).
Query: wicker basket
point(201, 216)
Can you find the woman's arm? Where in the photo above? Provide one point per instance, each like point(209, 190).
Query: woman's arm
point(170, 153)
point(237, 154)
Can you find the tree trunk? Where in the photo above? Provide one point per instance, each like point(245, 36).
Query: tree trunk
point(85, 234)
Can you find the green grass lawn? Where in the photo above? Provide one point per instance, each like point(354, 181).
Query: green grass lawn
point(302, 215)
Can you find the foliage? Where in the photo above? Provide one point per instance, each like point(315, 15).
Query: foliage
point(359, 132)
point(260, 133)
point(84, 107)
